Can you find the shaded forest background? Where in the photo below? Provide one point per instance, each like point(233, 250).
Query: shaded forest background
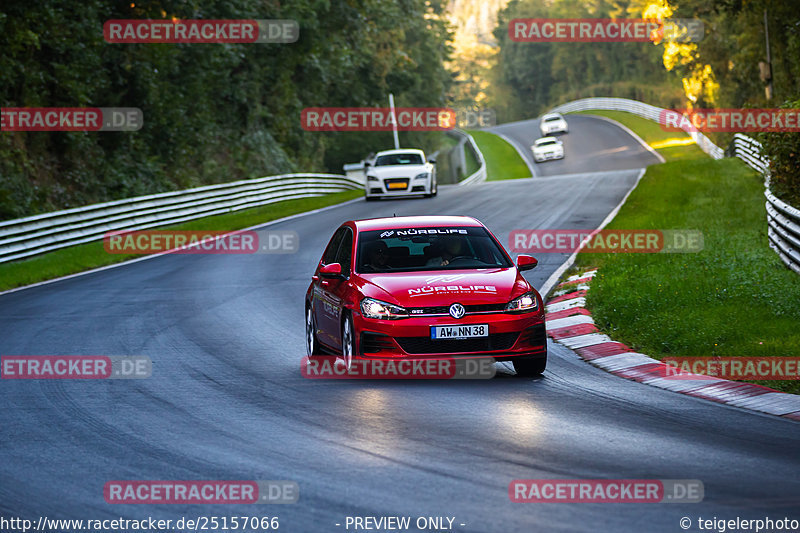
point(216, 112)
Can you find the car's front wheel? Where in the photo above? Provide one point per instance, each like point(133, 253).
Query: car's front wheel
point(434, 190)
point(530, 366)
point(312, 345)
point(348, 342)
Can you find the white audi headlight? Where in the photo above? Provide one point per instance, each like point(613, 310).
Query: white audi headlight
point(372, 308)
point(523, 304)
point(422, 176)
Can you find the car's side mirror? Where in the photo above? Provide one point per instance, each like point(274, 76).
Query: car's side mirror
point(333, 270)
point(432, 160)
point(526, 262)
point(367, 164)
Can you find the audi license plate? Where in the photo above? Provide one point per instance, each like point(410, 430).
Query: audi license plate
point(460, 332)
point(396, 185)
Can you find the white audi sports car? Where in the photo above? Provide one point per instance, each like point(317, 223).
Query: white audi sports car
point(394, 173)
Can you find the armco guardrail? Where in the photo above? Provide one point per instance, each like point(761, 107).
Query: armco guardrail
point(479, 175)
point(783, 220)
point(749, 150)
point(784, 230)
point(25, 237)
point(641, 109)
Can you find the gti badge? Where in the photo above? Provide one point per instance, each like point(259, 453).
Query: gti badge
point(457, 310)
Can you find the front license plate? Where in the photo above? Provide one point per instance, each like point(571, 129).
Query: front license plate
point(395, 185)
point(460, 332)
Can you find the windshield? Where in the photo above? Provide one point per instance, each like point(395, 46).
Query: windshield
point(552, 119)
point(398, 159)
point(545, 143)
point(418, 249)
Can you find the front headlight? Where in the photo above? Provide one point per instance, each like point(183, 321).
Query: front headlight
point(422, 176)
point(523, 304)
point(372, 178)
point(372, 308)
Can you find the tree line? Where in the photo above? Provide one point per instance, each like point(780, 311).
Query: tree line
point(212, 112)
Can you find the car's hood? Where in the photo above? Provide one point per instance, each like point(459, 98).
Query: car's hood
point(398, 171)
point(432, 288)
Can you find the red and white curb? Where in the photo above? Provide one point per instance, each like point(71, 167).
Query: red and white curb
point(571, 324)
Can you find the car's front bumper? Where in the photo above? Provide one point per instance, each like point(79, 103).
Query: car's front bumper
point(548, 156)
point(510, 335)
point(383, 188)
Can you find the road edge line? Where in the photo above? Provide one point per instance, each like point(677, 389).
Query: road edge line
point(555, 276)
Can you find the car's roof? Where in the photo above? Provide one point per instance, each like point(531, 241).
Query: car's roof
point(415, 222)
point(552, 115)
point(400, 151)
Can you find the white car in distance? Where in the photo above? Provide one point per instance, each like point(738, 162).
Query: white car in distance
point(394, 173)
point(553, 123)
point(547, 148)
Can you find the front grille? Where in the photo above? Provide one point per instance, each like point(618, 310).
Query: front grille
point(375, 342)
point(445, 309)
point(424, 345)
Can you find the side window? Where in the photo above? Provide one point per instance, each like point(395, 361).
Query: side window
point(330, 252)
point(344, 257)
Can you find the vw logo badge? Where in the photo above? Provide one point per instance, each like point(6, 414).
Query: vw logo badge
point(457, 310)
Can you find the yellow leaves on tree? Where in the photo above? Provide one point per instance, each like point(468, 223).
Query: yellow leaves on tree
point(699, 83)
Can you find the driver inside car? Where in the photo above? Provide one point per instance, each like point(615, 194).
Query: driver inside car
point(377, 256)
point(451, 247)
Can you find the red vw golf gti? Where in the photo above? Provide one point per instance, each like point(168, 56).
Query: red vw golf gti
point(424, 287)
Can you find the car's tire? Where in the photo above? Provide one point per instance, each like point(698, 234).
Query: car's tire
point(312, 344)
point(348, 341)
point(530, 366)
point(434, 190)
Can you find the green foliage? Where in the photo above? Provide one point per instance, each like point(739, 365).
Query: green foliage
point(503, 162)
point(541, 75)
point(212, 112)
point(694, 304)
point(783, 151)
point(532, 77)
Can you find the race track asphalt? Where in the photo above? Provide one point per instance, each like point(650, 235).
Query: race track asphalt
point(227, 401)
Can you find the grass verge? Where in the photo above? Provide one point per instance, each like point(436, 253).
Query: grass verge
point(92, 255)
point(673, 146)
point(735, 298)
point(503, 162)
